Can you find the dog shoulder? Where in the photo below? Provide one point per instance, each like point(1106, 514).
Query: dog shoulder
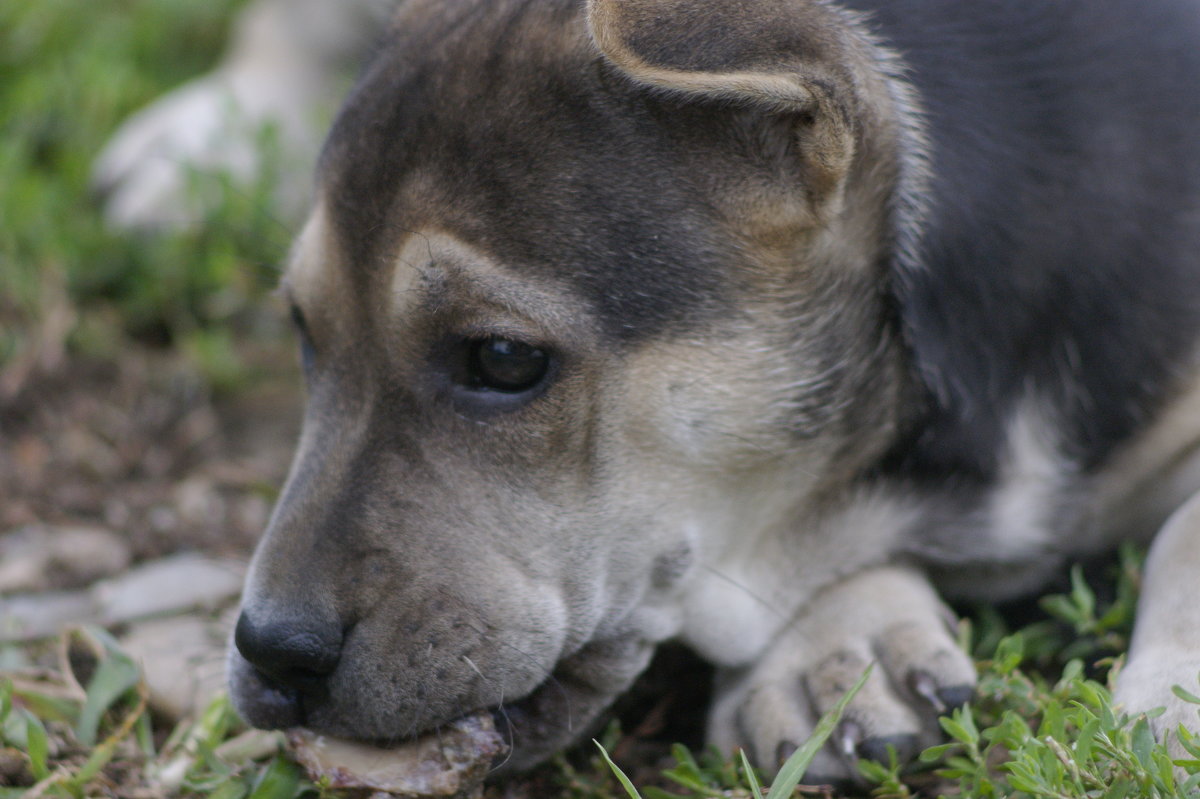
point(1054, 265)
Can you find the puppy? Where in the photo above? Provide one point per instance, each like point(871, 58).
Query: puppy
point(762, 325)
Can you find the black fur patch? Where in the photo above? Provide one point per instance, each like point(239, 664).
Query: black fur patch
point(1062, 254)
point(496, 114)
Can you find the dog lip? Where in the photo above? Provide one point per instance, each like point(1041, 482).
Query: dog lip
point(507, 719)
point(519, 725)
point(275, 707)
point(262, 701)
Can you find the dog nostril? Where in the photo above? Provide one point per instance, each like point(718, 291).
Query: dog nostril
point(294, 654)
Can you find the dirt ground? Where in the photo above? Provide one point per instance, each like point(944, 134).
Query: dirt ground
point(141, 446)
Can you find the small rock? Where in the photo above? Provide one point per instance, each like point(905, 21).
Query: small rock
point(182, 658)
point(198, 501)
point(23, 560)
point(14, 768)
point(175, 584)
point(251, 513)
point(29, 616)
point(86, 554)
point(38, 557)
point(162, 519)
point(448, 764)
point(181, 582)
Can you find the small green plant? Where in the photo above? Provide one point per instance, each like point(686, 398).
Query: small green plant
point(1098, 631)
point(67, 282)
point(1060, 740)
point(84, 730)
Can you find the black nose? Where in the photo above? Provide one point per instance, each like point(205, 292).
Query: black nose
point(295, 654)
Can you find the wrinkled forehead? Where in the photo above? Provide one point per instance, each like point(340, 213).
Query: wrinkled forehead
point(497, 122)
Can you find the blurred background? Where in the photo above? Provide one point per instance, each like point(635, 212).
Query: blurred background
point(147, 381)
point(149, 400)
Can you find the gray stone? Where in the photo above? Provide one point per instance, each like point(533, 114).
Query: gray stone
point(178, 583)
point(29, 616)
point(173, 585)
point(182, 659)
point(38, 557)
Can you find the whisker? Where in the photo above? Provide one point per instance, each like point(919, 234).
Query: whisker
point(767, 604)
point(546, 677)
point(512, 736)
point(499, 708)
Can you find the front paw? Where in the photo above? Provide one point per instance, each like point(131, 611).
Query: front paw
point(148, 172)
point(1145, 684)
point(1165, 649)
point(888, 616)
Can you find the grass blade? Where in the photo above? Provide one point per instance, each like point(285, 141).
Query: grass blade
point(281, 780)
point(751, 777)
point(625, 782)
point(793, 770)
point(98, 759)
point(37, 746)
point(114, 676)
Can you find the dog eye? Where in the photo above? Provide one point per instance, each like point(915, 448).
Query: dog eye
point(502, 364)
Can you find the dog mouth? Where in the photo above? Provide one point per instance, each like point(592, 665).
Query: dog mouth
point(517, 725)
point(493, 739)
point(448, 760)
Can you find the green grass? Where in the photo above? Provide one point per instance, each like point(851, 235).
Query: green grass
point(69, 73)
point(1043, 725)
point(84, 730)
point(1042, 728)
point(689, 774)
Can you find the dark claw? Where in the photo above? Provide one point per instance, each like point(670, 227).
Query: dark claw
point(942, 700)
point(905, 744)
point(849, 736)
point(924, 686)
point(957, 695)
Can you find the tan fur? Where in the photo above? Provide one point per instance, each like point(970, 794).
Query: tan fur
point(310, 278)
point(1156, 472)
point(829, 134)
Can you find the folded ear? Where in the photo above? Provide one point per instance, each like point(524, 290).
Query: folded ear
point(797, 58)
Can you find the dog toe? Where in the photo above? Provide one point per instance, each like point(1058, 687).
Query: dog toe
point(923, 659)
point(773, 720)
point(770, 718)
point(876, 716)
point(919, 673)
point(1146, 683)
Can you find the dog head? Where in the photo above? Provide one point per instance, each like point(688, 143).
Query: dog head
point(593, 307)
